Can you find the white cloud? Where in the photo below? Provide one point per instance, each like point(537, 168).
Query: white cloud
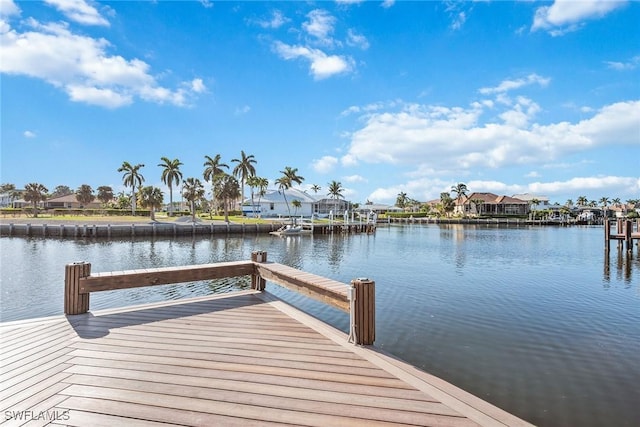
point(387, 3)
point(459, 21)
point(354, 178)
point(508, 85)
point(322, 65)
point(448, 138)
point(632, 64)
point(242, 110)
point(206, 3)
point(8, 8)
point(276, 20)
point(29, 134)
point(320, 25)
point(532, 174)
point(604, 184)
point(81, 66)
point(325, 164)
point(79, 11)
point(197, 85)
point(357, 40)
point(349, 2)
point(569, 15)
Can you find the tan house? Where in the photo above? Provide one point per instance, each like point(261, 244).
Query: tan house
point(69, 202)
point(477, 204)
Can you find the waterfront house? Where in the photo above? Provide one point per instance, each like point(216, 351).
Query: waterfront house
point(272, 204)
point(69, 202)
point(543, 201)
point(490, 204)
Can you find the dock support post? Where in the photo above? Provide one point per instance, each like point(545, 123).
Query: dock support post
point(607, 234)
point(364, 311)
point(257, 282)
point(74, 301)
point(628, 228)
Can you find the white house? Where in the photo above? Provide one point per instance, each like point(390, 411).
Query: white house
point(543, 201)
point(273, 204)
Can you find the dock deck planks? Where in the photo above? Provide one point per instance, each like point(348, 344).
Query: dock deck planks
point(240, 359)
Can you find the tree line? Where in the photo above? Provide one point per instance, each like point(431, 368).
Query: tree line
point(447, 203)
point(226, 186)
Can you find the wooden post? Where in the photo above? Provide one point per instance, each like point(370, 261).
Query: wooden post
point(364, 314)
point(607, 234)
point(628, 228)
point(257, 282)
point(74, 301)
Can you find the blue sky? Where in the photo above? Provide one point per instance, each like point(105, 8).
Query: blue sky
point(384, 97)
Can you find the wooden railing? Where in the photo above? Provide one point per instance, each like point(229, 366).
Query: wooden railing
point(357, 299)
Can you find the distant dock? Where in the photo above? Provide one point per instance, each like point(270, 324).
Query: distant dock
point(626, 232)
point(157, 229)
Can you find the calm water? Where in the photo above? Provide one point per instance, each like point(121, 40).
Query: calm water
point(537, 321)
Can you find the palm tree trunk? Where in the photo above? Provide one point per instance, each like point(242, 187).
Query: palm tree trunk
point(170, 201)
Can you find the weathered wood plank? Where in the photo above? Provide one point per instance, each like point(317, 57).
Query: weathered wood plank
point(13, 396)
point(85, 410)
point(37, 410)
point(339, 396)
point(160, 276)
point(250, 411)
point(288, 278)
point(304, 401)
point(280, 353)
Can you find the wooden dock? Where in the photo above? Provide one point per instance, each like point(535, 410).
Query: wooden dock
point(245, 358)
point(626, 233)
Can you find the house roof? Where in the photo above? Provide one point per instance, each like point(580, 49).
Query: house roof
point(527, 197)
point(69, 198)
point(275, 196)
point(491, 198)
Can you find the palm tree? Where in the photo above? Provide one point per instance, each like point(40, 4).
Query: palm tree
point(10, 190)
point(446, 203)
point(568, 203)
point(460, 190)
point(84, 195)
point(261, 184)
point(212, 169)
point(285, 182)
point(335, 191)
point(193, 191)
point(244, 169)
point(401, 200)
point(256, 182)
point(478, 205)
point(227, 189)
point(61, 190)
point(132, 178)
point(582, 201)
point(170, 174)
point(105, 194)
point(534, 202)
point(35, 193)
point(315, 188)
point(152, 198)
point(604, 201)
point(297, 205)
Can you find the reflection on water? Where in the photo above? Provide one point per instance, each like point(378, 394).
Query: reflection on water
point(536, 320)
point(624, 262)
